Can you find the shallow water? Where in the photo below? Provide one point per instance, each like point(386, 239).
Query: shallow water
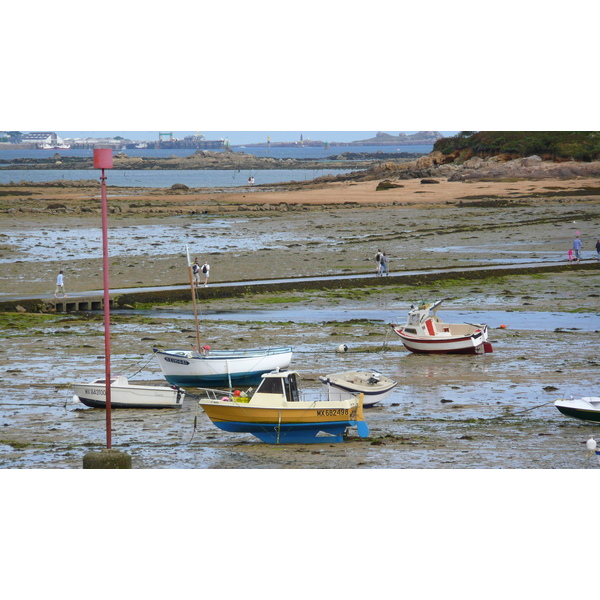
point(524, 320)
point(166, 178)
point(212, 235)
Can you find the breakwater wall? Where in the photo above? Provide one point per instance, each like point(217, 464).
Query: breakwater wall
point(181, 293)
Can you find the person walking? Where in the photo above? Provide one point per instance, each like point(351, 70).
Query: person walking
point(598, 248)
point(577, 248)
point(384, 265)
point(60, 285)
point(378, 263)
point(206, 272)
point(196, 273)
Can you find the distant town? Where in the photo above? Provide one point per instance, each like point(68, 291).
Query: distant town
point(49, 140)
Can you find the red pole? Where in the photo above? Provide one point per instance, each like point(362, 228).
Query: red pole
point(106, 309)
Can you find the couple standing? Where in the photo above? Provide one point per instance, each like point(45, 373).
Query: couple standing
point(198, 270)
point(381, 264)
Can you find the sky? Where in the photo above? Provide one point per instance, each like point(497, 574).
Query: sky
point(243, 137)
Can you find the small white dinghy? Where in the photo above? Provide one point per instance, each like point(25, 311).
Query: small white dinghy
point(587, 409)
point(125, 395)
point(343, 386)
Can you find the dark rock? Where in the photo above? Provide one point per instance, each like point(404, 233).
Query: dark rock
point(386, 184)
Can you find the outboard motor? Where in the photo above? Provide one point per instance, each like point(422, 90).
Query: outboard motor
point(375, 377)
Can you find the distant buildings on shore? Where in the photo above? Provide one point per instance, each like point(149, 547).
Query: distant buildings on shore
point(52, 141)
point(49, 140)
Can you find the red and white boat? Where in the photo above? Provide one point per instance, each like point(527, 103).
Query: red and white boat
point(425, 332)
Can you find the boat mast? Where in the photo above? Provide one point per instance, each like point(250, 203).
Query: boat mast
point(193, 296)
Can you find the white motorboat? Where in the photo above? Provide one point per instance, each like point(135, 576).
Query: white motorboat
point(587, 408)
point(189, 368)
point(343, 386)
point(125, 395)
point(425, 332)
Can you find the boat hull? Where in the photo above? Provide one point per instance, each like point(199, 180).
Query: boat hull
point(304, 424)
point(188, 369)
point(345, 386)
point(584, 409)
point(471, 344)
point(129, 396)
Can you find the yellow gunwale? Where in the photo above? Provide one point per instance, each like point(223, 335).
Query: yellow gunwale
point(234, 412)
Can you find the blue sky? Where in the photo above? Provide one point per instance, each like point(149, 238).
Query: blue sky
point(245, 137)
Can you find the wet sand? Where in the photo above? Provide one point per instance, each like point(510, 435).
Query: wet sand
point(490, 411)
point(418, 226)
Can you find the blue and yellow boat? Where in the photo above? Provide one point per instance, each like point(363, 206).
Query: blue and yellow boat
point(276, 413)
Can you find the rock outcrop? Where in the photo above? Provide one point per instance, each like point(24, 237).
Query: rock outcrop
point(497, 167)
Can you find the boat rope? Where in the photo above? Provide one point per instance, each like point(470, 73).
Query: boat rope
point(151, 356)
point(538, 406)
point(385, 342)
point(70, 385)
point(195, 423)
point(518, 412)
point(278, 426)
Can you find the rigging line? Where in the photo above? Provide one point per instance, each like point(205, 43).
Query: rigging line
point(195, 423)
point(46, 404)
point(151, 356)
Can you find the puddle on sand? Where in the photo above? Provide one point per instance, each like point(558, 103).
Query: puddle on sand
point(542, 321)
point(145, 240)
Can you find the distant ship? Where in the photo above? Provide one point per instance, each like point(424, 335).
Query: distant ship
point(55, 147)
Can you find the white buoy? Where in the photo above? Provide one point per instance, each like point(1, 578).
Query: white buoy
point(591, 444)
point(342, 348)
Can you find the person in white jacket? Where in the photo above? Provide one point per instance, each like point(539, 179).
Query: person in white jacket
point(206, 272)
point(60, 285)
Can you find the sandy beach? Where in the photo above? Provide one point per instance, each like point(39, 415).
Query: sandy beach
point(315, 230)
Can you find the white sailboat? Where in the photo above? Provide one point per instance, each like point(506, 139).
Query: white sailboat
point(202, 365)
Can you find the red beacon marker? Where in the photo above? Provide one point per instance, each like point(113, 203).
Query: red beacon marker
point(103, 160)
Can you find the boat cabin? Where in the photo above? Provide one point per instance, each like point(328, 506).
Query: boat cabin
point(277, 387)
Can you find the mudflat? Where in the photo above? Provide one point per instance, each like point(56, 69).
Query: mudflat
point(284, 232)
point(490, 411)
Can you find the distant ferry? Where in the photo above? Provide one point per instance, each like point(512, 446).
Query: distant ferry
point(55, 147)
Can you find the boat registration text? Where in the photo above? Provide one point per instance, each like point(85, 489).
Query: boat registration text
point(333, 412)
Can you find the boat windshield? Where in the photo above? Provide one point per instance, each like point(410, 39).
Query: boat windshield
point(271, 385)
point(291, 388)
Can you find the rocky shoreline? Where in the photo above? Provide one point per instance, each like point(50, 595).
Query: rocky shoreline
point(206, 160)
